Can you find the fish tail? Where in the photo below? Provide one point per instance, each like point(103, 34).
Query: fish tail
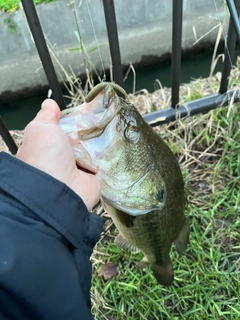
point(163, 273)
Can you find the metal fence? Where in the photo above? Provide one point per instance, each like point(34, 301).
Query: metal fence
point(166, 115)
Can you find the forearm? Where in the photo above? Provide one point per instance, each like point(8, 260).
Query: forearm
point(47, 237)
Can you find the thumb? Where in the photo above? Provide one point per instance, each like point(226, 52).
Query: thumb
point(49, 112)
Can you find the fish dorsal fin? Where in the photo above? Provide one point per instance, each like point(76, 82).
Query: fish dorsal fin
point(182, 239)
point(124, 244)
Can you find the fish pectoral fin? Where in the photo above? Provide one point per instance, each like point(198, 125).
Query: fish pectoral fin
point(182, 239)
point(163, 273)
point(124, 244)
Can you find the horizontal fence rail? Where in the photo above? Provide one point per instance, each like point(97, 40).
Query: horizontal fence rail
point(192, 108)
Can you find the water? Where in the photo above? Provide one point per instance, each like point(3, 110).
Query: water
point(17, 114)
point(194, 66)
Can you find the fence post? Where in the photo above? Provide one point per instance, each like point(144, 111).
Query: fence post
point(7, 138)
point(229, 53)
point(35, 27)
point(177, 7)
point(111, 24)
point(234, 16)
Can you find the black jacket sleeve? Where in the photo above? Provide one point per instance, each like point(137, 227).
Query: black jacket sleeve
point(46, 238)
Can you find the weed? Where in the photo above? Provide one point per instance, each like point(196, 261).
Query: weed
point(13, 5)
point(11, 25)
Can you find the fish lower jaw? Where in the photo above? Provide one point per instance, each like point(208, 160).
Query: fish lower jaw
point(86, 168)
point(131, 211)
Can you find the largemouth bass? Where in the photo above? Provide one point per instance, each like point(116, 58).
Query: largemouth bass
point(142, 186)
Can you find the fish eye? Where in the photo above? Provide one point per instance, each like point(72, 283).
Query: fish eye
point(132, 133)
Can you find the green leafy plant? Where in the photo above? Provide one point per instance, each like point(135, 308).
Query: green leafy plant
point(9, 5)
point(13, 5)
point(11, 24)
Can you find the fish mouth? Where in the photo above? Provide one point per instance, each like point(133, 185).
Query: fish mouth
point(83, 159)
point(89, 119)
point(86, 169)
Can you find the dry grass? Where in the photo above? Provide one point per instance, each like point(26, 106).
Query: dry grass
point(17, 136)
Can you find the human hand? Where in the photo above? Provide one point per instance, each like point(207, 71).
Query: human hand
point(46, 147)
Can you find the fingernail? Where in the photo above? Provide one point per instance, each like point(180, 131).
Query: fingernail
point(46, 103)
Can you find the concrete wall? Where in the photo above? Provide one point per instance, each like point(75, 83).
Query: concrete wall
point(144, 28)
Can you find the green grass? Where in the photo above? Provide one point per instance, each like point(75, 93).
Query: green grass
point(207, 280)
point(13, 5)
